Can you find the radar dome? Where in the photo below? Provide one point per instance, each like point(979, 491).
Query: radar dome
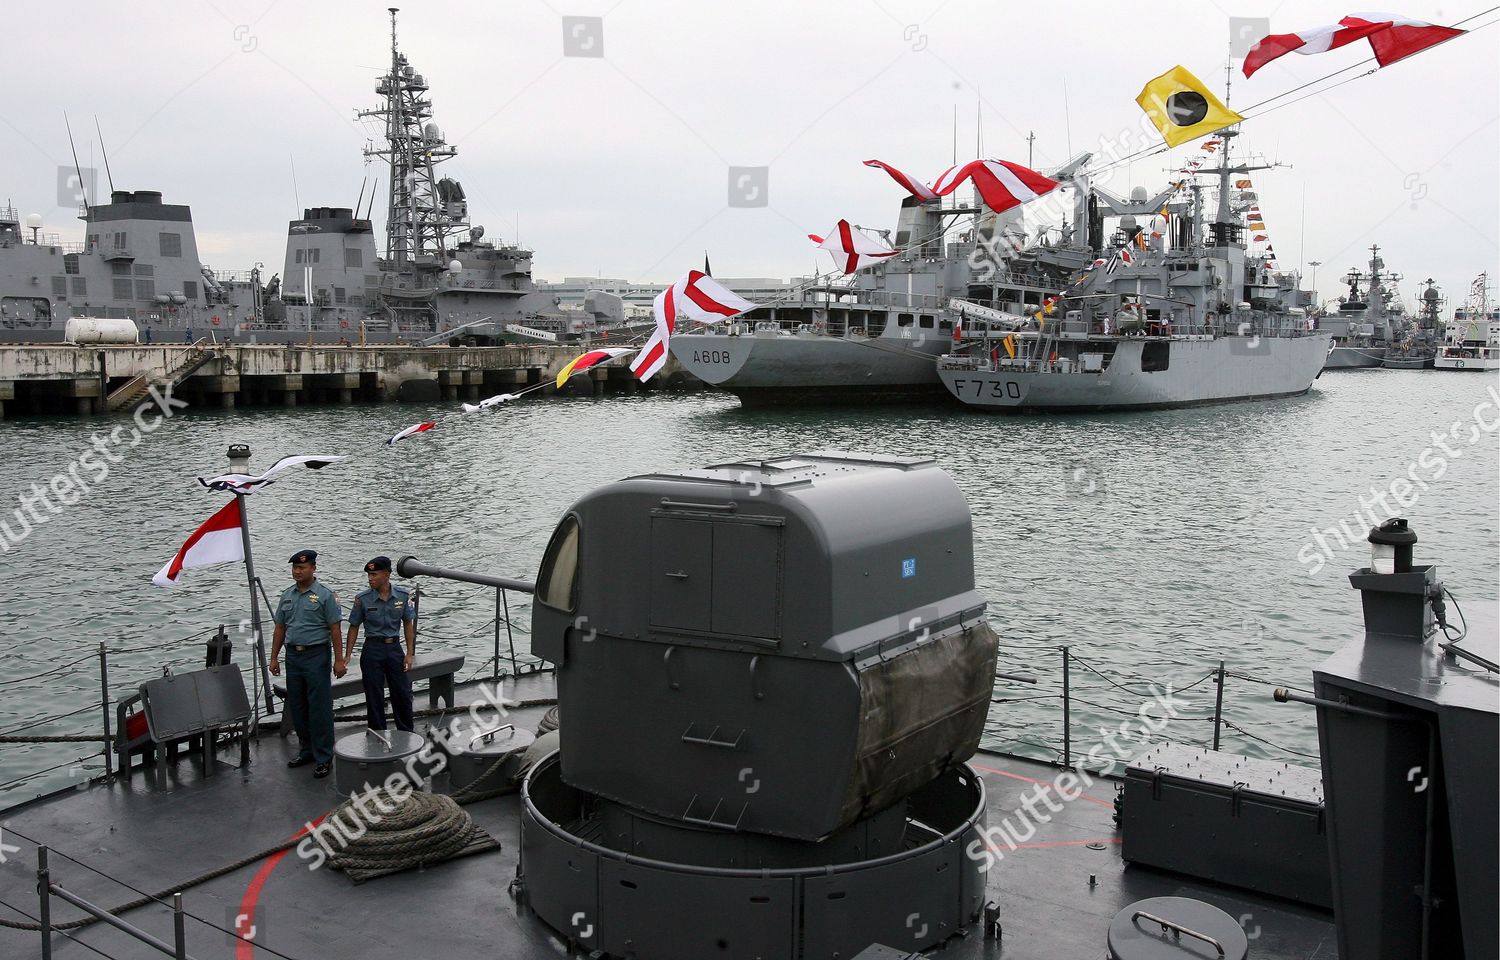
point(455, 267)
point(1127, 223)
point(1430, 294)
point(1138, 195)
point(33, 221)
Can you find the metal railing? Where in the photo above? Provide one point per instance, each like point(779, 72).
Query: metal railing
point(472, 283)
point(1065, 754)
point(47, 888)
point(507, 661)
point(109, 739)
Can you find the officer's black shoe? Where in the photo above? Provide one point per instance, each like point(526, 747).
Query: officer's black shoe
point(299, 761)
point(320, 771)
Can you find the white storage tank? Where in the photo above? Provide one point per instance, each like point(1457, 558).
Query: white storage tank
point(101, 330)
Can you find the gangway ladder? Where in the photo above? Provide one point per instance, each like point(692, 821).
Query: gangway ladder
point(134, 390)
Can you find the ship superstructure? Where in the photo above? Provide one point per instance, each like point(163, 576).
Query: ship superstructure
point(1177, 315)
point(1369, 317)
point(138, 260)
point(438, 271)
point(1418, 339)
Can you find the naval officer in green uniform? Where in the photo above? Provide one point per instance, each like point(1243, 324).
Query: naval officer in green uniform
point(389, 618)
point(309, 622)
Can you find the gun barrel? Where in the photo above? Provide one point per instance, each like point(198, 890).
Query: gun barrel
point(412, 567)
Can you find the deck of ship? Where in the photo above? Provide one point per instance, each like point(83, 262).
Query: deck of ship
point(1056, 893)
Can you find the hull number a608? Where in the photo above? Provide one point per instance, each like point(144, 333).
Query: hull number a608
point(987, 389)
point(710, 356)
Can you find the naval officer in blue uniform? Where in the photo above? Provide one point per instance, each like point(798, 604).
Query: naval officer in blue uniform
point(389, 619)
point(310, 624)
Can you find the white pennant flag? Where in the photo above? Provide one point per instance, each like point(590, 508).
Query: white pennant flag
point(249, 483)
point(488, 402)
point(696, 296)
point(851, 249)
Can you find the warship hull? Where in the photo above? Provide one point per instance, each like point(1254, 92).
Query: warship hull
point(1354, 358)
point(1407, 363)
point(783, 368)
point(1469, 365)
point(1198, 371)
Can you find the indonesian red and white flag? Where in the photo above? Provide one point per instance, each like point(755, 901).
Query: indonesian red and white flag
point(1001, 184)
point(219, 540)
point(696, 296)
point(1391, 37)
point(851, 249)
point(410, 431)
point(916, 188)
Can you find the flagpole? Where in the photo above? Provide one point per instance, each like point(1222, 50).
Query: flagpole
point(255, 622)
point(239, 459)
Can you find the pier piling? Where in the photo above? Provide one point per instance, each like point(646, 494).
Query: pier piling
point(85, 380)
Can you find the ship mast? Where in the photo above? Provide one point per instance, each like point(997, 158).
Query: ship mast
point(421, 215)
point(1226, 237)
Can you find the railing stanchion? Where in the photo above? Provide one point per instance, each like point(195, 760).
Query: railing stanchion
point(1218, 703)
point(495, 670)
point(1067, 714)
point(510, 637)
point(44, 892)
point(109, 755)
point(179, 931)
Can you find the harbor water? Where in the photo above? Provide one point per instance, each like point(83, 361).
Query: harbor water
point(1153, 545)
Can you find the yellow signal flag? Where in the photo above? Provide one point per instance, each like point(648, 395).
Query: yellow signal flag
point(1183, 108)
point(1009, 343)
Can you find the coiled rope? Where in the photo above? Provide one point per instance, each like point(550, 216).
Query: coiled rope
point(399, 832)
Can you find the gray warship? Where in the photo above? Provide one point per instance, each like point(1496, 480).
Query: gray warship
point(1368, 320)
point(755, 725)
point(875, 336)
point(1418, 341)
point(881, 334)
point(438, 277)
point(1173, 319)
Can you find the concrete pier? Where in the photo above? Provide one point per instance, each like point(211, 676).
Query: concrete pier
point(94, 379)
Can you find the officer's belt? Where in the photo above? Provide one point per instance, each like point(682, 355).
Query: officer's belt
point(302, 647)
point(384, 639)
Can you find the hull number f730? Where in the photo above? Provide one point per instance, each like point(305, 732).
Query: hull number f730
point(993, 389)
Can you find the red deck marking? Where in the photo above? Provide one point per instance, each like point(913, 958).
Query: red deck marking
point(1047, 783)
point(245, 949)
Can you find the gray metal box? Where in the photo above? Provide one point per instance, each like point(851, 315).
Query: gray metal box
point(1242, 821)
point(780, 646)
point(1410, 739)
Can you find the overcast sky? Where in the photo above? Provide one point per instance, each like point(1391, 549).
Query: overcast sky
point(618, 165)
